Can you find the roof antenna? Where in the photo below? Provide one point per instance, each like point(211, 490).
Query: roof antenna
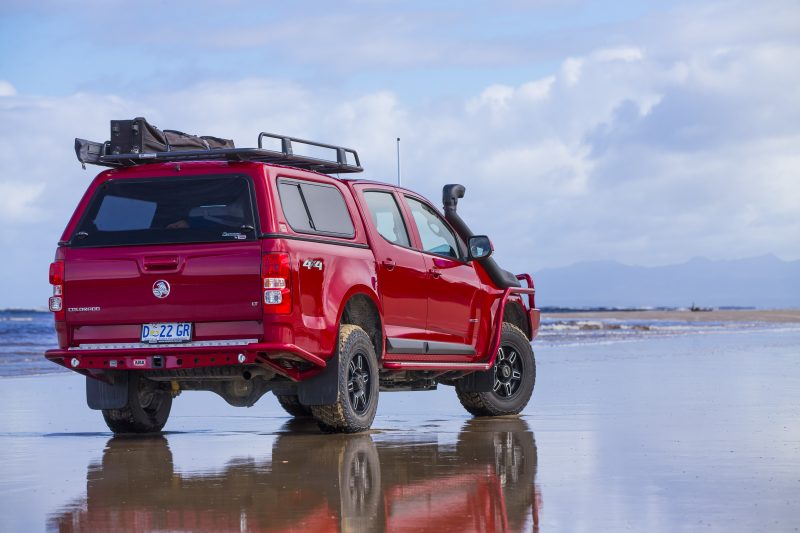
point(398, 161)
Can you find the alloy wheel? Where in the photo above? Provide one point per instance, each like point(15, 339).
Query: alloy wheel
point(358, 387)
point(507, 372)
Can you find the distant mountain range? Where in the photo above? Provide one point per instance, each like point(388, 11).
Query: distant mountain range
point(763, 282)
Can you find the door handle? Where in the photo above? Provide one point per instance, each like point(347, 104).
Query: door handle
point(160, 264)
point(435, 274)
point(388, 264)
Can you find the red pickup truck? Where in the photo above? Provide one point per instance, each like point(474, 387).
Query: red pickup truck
point(243, 271)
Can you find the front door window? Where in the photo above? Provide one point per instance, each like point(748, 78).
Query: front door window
point(436, 236)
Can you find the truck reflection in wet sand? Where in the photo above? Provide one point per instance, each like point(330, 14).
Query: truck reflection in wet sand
point(484, 482)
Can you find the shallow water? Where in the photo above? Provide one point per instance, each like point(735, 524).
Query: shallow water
point(677, 433)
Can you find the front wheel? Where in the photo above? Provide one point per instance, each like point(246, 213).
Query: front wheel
point(514, 375)
point(357, 397)
point(149, 404)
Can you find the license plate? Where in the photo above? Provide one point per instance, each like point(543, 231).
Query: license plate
point(167, 332)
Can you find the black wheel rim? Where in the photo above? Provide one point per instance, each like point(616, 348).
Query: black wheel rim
point(358, 386)
point(507, 372)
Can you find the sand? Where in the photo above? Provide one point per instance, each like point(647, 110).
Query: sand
point(682, 433)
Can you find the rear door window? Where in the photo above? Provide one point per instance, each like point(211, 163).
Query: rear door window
point(168, 210)
point(315, 208)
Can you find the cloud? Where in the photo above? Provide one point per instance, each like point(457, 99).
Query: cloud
point(498, 99)
point(571, 70)
point(17, 199)
point(6, 89)
point(626, 54)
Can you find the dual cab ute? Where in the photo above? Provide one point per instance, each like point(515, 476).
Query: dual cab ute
point(243, 271)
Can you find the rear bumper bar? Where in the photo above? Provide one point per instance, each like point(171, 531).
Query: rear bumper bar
point(286, 359)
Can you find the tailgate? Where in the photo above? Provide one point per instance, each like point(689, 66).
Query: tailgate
point(110, 293)
point(197, 283)
point(141, 255)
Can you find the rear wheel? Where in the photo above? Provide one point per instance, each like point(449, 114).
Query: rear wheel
point(291, 404)
point(148, 408)
point(514, 372)
point(357, 399)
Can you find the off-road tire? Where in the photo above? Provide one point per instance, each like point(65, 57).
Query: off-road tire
point(343, 416)
point(149, 404)
point(291, 404)
point(502, 400)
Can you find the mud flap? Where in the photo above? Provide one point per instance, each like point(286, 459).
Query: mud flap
point(478, 381)
point(322, 389)
point(102, 395)
point(285, 388)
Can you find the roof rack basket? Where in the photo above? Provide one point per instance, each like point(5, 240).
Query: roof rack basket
point(347, 161)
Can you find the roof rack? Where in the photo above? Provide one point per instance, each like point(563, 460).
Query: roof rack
point(95, 153)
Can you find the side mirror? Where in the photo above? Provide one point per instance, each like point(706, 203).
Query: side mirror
point(480, 247)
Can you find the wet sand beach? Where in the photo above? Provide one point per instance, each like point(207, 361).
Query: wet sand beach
point(680, 433)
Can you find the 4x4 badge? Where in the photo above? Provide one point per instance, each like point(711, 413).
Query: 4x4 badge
point(313, 263)
point(161, 289)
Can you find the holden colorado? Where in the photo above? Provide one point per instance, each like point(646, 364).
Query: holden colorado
point(191, 264)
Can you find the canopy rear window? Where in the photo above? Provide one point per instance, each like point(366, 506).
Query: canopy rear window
point(168, 210)
point(315, 208)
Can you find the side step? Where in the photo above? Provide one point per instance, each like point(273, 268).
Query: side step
point(420, 365)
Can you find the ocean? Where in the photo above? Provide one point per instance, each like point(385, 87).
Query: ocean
point(26, 334)
point(24, 337)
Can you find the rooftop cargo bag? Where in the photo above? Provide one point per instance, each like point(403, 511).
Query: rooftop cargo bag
point(216, 143)
point(177, 140)
point(138, 136)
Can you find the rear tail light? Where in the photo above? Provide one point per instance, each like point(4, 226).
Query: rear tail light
point(56, 302)
point(276, 283)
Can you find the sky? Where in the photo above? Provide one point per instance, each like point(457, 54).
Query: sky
point(644, 132)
